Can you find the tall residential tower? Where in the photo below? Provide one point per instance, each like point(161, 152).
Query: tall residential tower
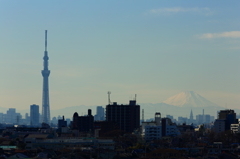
point(34, 115)
point(126, 116)
point(45, 95)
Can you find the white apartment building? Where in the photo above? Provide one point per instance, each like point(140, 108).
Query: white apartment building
point(235, 128)
point(152, 132)
point(157, 132)
point(164, 128)
point(152, 123)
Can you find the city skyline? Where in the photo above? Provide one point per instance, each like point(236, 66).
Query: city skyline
point(154, 50)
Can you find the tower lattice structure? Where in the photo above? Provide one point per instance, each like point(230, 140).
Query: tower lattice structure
point(45, 95)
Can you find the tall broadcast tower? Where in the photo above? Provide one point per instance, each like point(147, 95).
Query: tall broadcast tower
point(45, 95)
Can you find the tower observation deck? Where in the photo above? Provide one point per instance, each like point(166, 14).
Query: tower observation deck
point(45, 95)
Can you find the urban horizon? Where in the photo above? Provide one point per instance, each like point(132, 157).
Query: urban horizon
point(129, 79)
point(93, 53)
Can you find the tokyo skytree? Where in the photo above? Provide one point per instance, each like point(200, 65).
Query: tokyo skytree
point(45, 95)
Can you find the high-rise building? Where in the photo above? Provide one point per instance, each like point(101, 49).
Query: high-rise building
point(100, 114)
point(1, 117)
point(34, 115)
point(45, 95)
point(126, 116)
point(207, 118)
point(225, 114)
point(199, 119)
point(18, 118)
point(224, 121)
point(229, 116)
point(11, 116)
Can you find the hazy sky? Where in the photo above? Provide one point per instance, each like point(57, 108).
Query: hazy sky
point(154, 49)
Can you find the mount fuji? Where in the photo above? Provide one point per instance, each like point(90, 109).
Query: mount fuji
point(181, 105)
point(189, 99)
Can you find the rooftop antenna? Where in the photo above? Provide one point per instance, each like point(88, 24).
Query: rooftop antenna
point(135, 97)
point(45, 40)
point(109, 100)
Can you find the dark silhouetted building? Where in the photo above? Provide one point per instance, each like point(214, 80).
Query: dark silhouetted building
point(126, 116)
point(229, 116)
point(75, 121)
point(34, 115)
point(83, 123)
point(105, 127)
point(62, 123)
point(224, 121)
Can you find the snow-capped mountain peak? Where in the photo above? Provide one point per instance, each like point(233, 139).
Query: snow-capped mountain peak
point(189, 99)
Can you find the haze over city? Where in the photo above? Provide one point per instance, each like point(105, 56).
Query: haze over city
point(155, 50)
point(119, 79)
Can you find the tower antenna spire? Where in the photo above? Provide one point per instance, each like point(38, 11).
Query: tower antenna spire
point(109, 100)
point(45, 40)
point(45, 95)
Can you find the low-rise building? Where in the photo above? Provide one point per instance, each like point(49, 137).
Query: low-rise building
point(166, 128)
point(235, 128)
point(156, 122)
point(152, 132)
point(59, 143)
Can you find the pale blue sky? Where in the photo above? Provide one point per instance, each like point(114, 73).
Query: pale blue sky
point(155, 49)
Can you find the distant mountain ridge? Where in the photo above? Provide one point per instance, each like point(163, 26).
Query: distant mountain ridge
point(189, 99)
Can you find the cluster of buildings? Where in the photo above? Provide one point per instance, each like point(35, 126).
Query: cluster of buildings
point(86, 134)
point(39, 132)
point(159, 128)
point(118, 117)
point(12, 117)
point(227, 120)
point(200, 119)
